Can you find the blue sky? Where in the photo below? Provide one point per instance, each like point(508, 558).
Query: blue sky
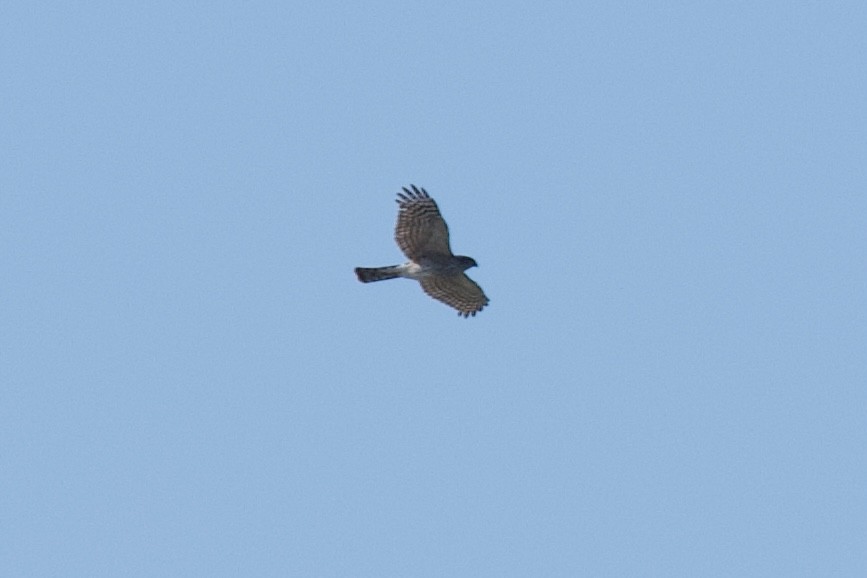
point(667, 202)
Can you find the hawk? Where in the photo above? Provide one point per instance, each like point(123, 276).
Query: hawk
point(423, 236)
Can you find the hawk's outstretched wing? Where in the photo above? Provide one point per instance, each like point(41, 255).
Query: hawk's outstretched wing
point(421, 230)
point(458, 291)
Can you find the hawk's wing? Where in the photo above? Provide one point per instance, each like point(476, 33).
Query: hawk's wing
point(421, 229)
point(458, 291)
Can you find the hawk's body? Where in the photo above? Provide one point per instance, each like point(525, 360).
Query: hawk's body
point(423, 236)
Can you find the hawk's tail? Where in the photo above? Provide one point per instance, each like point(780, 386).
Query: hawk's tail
point(366, 275)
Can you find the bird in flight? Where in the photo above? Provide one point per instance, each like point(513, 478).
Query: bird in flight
point(423, 236)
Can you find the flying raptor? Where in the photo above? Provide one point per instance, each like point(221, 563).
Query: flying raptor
point(423, 236)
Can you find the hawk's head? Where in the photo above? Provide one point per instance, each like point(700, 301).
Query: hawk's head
point(467, 262)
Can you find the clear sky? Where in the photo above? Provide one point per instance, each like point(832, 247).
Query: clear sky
point(667, 201)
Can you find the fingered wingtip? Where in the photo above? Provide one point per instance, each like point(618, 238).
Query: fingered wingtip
point(415, 193)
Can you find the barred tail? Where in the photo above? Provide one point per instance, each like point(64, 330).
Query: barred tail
point(366, 275)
